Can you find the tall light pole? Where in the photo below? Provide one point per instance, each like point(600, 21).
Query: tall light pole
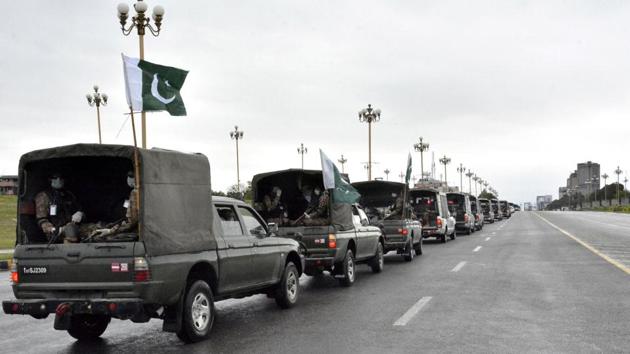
point(595, 184)
point(141, 22)
point(485, 184)
point(421, 148)
point(605, 177)
point(445, 161)
point(461, 169)
point(618, 171)
point(237, 135)
point(387, 171)
point(302, 150)
point(369, 115)
point(469, 174)
point(97, 99)
point(480, 181)
point(401, 175)
point(625, 181)
point(475, 179)
point(342, 161)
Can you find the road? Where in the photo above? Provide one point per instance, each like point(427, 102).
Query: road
point(519, 285)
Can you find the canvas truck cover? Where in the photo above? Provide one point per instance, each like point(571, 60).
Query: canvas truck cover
point(291, 182)
point(175, 194)
point(378, 193)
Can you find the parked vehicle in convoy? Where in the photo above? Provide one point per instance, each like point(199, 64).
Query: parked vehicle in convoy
point(188, 250)
point(459, 206)
point(486, 209)
point(336, 240)
point(498, 216)
point(431, 208)
point(476, 212)
point(385, 207)
point(505, 208)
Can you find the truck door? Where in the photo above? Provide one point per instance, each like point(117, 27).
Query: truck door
point(235, 261)
point(366, 241)
point(267, 257)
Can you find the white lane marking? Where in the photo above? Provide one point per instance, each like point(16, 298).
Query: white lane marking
point(459, 266)
point(589, 247)
point(487, 238)
point(477, 249)
point(404, 319)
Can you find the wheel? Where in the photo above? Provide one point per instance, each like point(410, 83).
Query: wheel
point(378, 261)
point(289, 287)
point(409, 251)
point(199, 313)
point(468, 231)
point(88, 327)
point(418, 247)
point(454, 234)
point(444, 237)
point(348, 268)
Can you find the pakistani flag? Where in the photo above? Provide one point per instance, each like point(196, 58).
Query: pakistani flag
point(342, 191)
point(153, 87)
point(408, 174)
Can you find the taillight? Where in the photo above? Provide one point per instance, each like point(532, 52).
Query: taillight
point(332, 241)
point(477, 217)
point(439, 222)
point(403, 232)
point(466, 218)
point(141, 269)
point(14, 273)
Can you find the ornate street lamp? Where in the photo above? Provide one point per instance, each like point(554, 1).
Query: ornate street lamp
point(97, 99)
point(469, 174)
point(421, 148)
point(618, 171)
point(342, 161)
point(401, 175)
point(369, 115)
point(302, 150)
point(461, 169)
point(387, 171)
point(476, 179)
point(237, 135)
point(605, 176)
point(141, 22)
point(445, 161)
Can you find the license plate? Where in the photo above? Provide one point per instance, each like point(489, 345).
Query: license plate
point(35, 270)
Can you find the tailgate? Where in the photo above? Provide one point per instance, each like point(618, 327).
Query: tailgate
point(65, 264)
point(313, 238)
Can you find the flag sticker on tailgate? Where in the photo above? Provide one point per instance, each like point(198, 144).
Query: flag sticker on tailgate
point(115, 267)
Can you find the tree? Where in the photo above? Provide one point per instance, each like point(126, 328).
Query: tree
point(487, 195)
point(218, 193)
point(244, 194)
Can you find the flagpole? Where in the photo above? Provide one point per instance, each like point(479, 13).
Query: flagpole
point(143, 114)
point(136, 173)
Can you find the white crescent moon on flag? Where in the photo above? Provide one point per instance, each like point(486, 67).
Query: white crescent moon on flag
point(156, 94)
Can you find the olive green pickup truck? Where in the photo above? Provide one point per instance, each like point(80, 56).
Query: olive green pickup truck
point(335, 237)
point(187, 250)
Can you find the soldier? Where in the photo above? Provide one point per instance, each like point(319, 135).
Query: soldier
point(273, 208)
point(318, 216)
point(58, 211)
point(396, 209)
point(130, 222)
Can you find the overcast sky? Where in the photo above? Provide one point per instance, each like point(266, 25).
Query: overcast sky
point(518, 91)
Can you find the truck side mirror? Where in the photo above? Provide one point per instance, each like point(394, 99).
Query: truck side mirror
point(273, 227)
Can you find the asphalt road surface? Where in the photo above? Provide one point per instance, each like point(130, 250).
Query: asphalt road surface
point(521, 285)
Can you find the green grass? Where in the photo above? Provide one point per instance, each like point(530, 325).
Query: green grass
point(615, 209)
point(8, 205)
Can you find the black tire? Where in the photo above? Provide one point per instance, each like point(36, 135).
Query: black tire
point(454, 235)
point(377, 263)
point(288, 290)
point(409, 251)
point(198, 313)
point(88, 327)
point(348, 270)
point(444, 238)
point(418, 247)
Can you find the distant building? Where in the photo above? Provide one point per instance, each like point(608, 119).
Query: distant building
point(527, 206)
point(542, 201)
point(587, 177)
point(572, 181)
point(562, 191)
point(8, 185)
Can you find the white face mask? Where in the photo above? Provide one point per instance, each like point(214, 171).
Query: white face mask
point(131, 182)
point(317, 191)
point(56, 183)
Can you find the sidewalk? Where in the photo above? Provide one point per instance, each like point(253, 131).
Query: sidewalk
point(6, 251)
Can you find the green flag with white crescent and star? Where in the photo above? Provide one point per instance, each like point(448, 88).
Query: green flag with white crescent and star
point(153, 87)
point(408, 174)
point(342, 191)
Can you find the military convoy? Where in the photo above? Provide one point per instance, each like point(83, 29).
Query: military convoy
point(189, 249)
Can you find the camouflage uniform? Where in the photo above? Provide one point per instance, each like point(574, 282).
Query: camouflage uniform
point(397, 209)
point(130, 224)
point(65, 203)
point(320, 215)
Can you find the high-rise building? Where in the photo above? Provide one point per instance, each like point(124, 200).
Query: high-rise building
point(542, 201)
point(587, 177)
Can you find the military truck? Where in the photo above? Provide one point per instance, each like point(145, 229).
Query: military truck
point(505, 208)
point(431, 208)
point(335, 240)
point(486, 209)
point(385, 206)
point(459, 206)
point(188, 250)
point(498, 216)
point(475, 208)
